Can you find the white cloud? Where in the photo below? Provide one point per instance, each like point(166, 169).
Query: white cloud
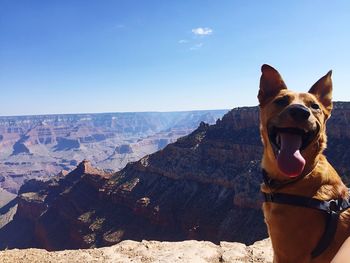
point(202, 31)
point(183, 41)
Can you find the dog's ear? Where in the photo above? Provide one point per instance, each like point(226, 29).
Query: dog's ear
point(322, 89)
point(271, 83)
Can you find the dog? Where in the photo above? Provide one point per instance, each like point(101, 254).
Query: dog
point(293, 132)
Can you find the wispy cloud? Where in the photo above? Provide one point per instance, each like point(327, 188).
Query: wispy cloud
point(197, 39)
point(202, 31)
point(197, 46)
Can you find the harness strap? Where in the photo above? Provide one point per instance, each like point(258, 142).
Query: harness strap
point(332, 208)
point(276, 184)
point(328, 235)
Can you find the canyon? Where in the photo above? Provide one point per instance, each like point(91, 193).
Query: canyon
point(42, 146)
point(203, 186)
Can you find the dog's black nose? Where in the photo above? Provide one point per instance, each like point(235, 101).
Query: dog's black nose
point(299, 112)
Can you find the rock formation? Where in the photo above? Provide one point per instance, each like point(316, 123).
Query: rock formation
point(35, 147)
point(189, 190)
point(205, 186)
point(148, 252)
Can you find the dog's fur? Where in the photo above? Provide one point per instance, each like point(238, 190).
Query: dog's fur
point(295, 231)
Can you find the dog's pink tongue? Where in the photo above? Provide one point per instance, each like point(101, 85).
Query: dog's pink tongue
point(289, 159)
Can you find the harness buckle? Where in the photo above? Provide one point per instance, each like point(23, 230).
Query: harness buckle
point(335, 206)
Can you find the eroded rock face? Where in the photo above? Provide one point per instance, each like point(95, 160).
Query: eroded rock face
point(205, 186)
point(37, 222)
point(185, 191)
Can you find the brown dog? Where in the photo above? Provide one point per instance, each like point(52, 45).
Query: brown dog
point(293, 131)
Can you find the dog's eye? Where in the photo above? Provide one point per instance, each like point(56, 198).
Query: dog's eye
point(283, 101)
point(315, 106)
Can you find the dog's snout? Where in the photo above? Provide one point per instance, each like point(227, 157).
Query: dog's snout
point(299, 112)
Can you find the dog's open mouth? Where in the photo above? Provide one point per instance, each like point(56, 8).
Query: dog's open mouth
point(305, 136)
point(288, 144)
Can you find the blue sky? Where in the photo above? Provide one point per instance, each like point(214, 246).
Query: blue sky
point(64, 56)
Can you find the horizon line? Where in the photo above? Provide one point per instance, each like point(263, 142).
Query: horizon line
point(125, 112)
point(109, 112)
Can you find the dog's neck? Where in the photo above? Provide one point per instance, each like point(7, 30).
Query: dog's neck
point(273, 185)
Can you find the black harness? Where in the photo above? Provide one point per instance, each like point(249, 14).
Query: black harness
point(331, 208)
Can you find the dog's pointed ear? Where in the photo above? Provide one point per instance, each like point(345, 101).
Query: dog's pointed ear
point(271, 83)
point(322, 89)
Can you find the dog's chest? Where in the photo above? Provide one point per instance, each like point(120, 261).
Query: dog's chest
point(293, 230)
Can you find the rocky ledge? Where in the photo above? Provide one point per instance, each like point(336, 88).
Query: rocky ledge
point(150, 251)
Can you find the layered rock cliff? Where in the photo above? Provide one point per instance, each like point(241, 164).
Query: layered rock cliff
point(189, 190)
point(205, 186)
